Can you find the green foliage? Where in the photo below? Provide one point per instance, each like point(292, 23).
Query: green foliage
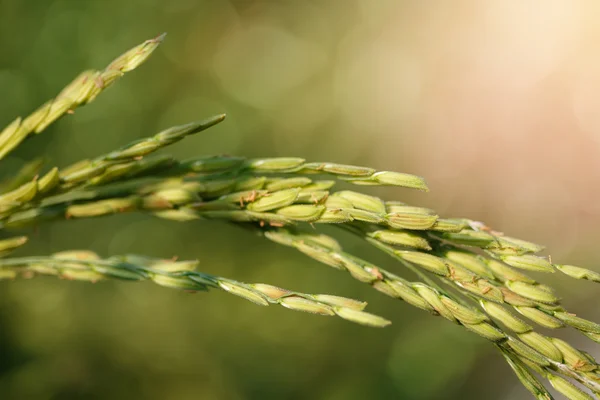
point(467, 273)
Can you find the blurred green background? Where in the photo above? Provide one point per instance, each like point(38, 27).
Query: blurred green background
point(495, 102)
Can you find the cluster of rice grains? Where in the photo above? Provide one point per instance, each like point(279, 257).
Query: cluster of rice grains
point(485, 289)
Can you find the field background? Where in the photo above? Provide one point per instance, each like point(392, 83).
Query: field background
point(495, 102)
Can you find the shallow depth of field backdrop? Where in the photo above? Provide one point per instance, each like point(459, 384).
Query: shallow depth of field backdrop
point(496, 103)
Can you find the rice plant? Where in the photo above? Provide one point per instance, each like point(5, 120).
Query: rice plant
point(467, 273)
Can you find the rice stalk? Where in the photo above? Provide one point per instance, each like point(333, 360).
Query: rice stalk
point(490, 292)
point(87, 266)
